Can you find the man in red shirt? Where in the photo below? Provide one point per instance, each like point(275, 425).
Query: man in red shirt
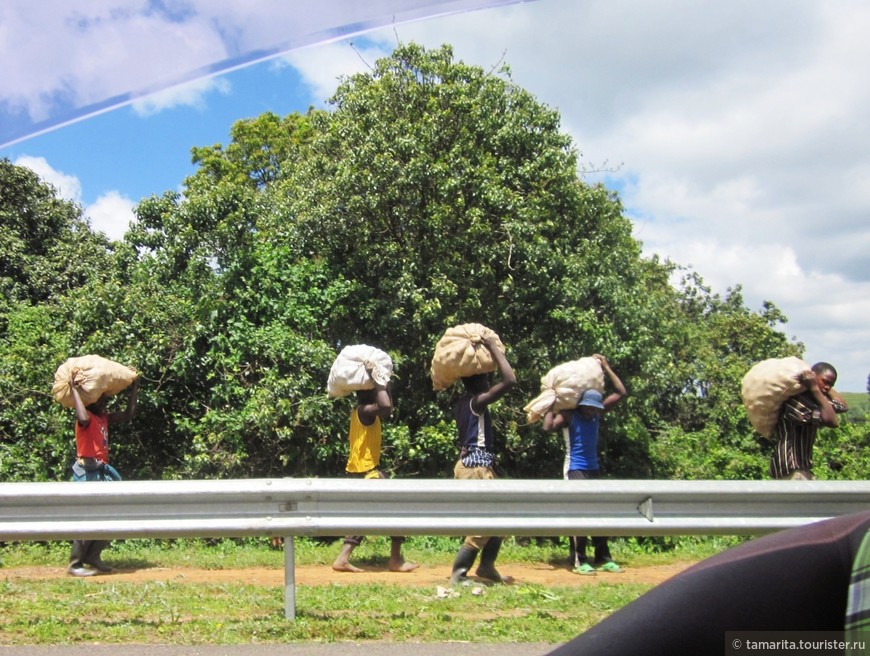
point(92, 464)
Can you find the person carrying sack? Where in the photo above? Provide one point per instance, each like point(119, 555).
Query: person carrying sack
point(92, 464)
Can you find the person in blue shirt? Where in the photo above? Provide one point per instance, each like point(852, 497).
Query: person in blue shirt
point(580, 428)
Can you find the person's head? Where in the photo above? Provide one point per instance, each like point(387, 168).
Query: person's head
point(366, 396)
point(99, 406)
point(591, 403)
point(477, 384)
point(826, 376)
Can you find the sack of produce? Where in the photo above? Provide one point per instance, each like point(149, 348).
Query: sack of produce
point(767, 385)
point(350, 371)
point(95, 376)
point(460, 353)
point(563, 386)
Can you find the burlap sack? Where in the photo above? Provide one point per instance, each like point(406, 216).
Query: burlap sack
point(563, 386)
point(460, 353)
point(97, 376)
point(767, 385)
point(349, 374)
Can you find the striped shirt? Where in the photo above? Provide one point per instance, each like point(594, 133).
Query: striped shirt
point(796, 428)
point(475, 435)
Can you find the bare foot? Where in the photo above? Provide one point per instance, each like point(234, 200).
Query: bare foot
point(345, 567)
point(403, 566)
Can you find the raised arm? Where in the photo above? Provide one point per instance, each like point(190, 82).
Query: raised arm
point(507, 377)
point(82, 415)
point(381, 405)
point(619, 388)
point(130, 410)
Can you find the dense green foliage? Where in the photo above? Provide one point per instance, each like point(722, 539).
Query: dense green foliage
point(432, 194)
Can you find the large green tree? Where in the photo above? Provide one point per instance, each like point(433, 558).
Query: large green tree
point(47, 251)
point(445, 194)
point(46, 246)
point(433, 193)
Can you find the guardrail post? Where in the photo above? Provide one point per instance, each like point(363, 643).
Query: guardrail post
point(289, 578)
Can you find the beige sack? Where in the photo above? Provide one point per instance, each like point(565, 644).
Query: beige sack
point(97, 376)
point(767, 385)
point(460, 353)
point(349, 373)
point(563, 386)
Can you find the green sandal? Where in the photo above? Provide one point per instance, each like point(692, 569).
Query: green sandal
point(611, 567)
point(586, 569)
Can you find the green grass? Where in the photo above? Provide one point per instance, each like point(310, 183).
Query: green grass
point(859, 405)
point(65, 610)
point(58, 611)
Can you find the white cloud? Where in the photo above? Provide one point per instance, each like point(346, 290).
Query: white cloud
point(321, 67)
point(86, 52)
point(191, 94)
point(741, 129)
point(111, 214)
point(68, 186)
point(740, 126)
point(71, 59)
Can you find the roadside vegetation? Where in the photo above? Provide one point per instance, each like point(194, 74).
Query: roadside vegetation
point(432, 193)
point(66, 610)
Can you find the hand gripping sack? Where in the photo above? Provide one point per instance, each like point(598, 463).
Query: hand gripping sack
point(349, 374)
point(767, 385)
point(563, 386)
point(97, 376)
point(461, 352)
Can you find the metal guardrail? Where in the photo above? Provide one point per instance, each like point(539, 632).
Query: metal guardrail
point(291, 507)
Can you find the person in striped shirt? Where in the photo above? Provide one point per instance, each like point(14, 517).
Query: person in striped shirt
point(799, 419)
point(477, 458)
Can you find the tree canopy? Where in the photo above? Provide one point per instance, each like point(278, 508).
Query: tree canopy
point(432, 193)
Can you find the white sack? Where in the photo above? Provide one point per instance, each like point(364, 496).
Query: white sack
point(349, 374)
point(563, 386)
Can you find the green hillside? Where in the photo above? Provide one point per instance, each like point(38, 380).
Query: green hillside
point(859, 405)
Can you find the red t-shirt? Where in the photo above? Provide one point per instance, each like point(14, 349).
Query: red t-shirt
point(92, 441)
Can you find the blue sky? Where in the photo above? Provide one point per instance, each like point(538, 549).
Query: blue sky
point(144, 155)
point(736, 133)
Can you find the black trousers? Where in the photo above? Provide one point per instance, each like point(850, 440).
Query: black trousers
point(600, 545)
point(793, 580)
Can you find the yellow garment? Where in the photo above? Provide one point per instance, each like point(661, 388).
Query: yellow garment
point(365, 445)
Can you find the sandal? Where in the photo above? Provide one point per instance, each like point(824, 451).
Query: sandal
point(611, 567)
point(585, 568)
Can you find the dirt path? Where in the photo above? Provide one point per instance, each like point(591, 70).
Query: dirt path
point(523, 573)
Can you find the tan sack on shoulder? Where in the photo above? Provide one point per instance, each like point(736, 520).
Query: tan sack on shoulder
point(460, 353)
point(563, 386)
point(97, 376)
point(349, 373)
point(767, 385)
